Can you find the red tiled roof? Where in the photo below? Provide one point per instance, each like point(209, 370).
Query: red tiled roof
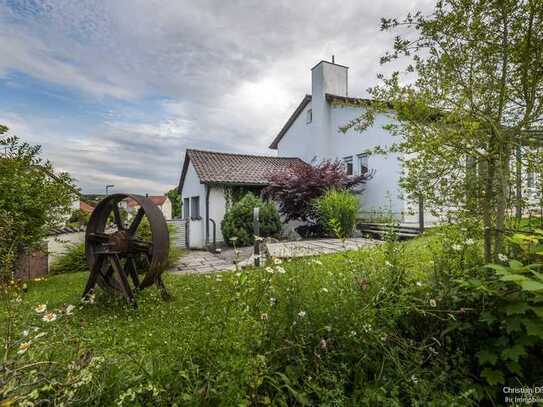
point(85, 207)
point(234, 169)
point(158, 200)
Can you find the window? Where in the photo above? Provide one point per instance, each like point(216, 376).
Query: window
point(195, 207)
point(363, 168)
point(186, 209)
point(309, 116)
point(348, 165)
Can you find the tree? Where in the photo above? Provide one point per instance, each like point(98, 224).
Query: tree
point(238, 221)
point(175, 198)
point(297, 187)
point(33, 200)
point(475, 101)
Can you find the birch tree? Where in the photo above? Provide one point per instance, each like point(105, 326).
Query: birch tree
point(467, 99)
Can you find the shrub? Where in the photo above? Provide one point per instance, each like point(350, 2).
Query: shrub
point(79, 218)
point(336, 212)
point(238, 221)
point(72, 261)
point(297, 187)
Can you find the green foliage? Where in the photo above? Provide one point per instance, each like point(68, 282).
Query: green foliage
point(238, 221)
point(33, 200)
point(175, 198)
point(72, 261)
point(79, 217)
point(460, 121)
point(416, 323)
point(336, 212)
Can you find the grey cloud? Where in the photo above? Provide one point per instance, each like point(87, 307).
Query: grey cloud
point(231, 71)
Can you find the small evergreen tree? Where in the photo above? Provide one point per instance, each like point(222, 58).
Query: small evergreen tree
point(238, 221)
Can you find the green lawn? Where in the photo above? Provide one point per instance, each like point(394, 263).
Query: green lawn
point(308, 331)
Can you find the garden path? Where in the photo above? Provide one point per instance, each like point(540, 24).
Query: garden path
point(199, 261)
point(316, 247)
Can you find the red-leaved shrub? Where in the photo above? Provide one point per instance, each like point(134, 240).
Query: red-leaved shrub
point(295, 188)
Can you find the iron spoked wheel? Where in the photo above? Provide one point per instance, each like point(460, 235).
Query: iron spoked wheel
point(115, 250)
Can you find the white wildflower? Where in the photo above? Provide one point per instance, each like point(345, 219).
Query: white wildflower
point(469, 242)
point(49, 317)
point(317, 262)
point(301, 314)
point(433, 303)
point(23, 347)
point(414, 379)
point(388, 264)
point(367, 327)
point(323, 344)
point(280, 270)
point(70, 309)
point(456, 247)
point(38, 336)
point(269, 270)
point(419, 284)
point(272, 301)
point(277, 261)
point(264, 317)
point(352, 333)
point(502, 257)
point(25, 333)
point(41, 308)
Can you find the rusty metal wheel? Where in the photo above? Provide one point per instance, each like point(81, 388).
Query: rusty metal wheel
point(114, 250)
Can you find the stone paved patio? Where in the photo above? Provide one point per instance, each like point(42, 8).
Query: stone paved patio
point(199, 261)
point(316, 247)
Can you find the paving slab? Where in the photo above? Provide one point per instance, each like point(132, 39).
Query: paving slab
point(316, 247)
point(199, 261)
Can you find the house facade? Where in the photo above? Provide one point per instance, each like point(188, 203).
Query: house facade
point(208, 185)
point(313, 133)
point(161, 201)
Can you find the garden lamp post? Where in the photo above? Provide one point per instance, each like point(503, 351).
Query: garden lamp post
point(108, 186)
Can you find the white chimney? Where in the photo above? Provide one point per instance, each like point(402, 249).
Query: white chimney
point(326, 78)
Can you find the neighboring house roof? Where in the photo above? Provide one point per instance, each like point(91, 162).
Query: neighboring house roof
point(234, 169)
point(85, 207)
point(158, 200)
point(307, 98)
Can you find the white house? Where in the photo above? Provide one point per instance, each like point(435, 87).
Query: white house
point(208, 184)
point(313, 133)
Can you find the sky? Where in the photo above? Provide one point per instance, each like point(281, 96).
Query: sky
point(115, 91)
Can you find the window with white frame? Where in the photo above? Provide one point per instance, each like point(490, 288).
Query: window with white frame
point(348, 161)
point(309, 116)
point(362, 164)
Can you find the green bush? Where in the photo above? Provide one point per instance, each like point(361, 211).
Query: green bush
point(72, 261)
point(238, 221)
point(336, 212)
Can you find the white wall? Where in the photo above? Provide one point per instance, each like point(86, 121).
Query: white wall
point(382, 193)
point(217, 210)
point(193, 187)
point(166, 209)
point(298, 141)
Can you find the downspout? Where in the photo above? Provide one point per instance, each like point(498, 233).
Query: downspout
point(207, 214)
